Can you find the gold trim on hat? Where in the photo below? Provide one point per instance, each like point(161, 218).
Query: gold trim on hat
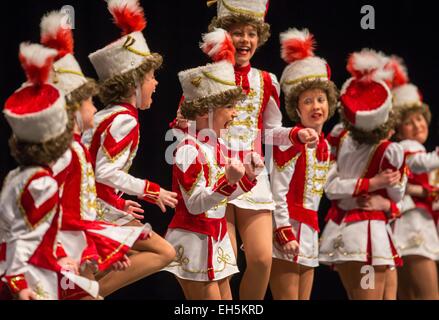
point(128, 45)
point(216, 79)
point(237, 10)
point(309, 77)
point(61, 70)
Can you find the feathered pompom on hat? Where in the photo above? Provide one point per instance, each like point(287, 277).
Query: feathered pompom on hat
point(400, 74)
point(56, 33)
point(36, 61)
point(296, 45)
point(218, 46)
point(128, 15)
point(369, 65)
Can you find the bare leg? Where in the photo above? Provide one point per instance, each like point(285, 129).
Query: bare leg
point(284, 280)
point(306, 281)
point(231, 228)
point(224, 287)
point(155, 253)
point(419, 278)
point(255, 229)
point(198, 290)
point(350, 273)
point(391, 284)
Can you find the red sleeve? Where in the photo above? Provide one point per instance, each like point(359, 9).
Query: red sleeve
point(16, 283)
point(34, 214)
point(284, 235)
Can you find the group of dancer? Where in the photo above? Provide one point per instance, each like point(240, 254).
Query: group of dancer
point(66, 231)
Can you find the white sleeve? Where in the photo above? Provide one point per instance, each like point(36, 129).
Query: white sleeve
point(39, 202)
point(109, 169)
point(190, 175)
point(395, 159)
point(337, 188)
point(273, 132)
point(421, 162)
point(280, 184)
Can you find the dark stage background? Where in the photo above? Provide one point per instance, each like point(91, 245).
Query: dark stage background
point(406, 28)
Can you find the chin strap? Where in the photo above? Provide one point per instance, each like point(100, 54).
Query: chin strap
point(210, 114)
point(79, 121)
point(138, 95)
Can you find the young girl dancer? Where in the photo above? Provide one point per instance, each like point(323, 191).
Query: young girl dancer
point(415, 232)
point(81, 236)
point(126, 72)
point(29, 201)
point(357, 240)
point(300, 170)
point(205, 178)
point(258, 116)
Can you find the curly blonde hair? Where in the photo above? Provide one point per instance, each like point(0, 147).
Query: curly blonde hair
point(122, 86)
point(404, 111)
point(371, 137)
point(201, 106)
point(227, 22)
point(77, 96)
point(292, 97)
point(42, 154)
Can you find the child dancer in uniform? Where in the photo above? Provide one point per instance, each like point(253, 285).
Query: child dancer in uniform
point(205, 179)
point(29, 201)
point(258, 117)
point(300, 170)
point(126, 72)
point(357, 240)
point(415, 232)
point(82, 237)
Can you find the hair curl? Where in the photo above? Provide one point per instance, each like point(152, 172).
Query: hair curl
point(122, 86)
point(77, 96)
point(42, 154)
point(374, 136)
point(201, 106)
point(227, 22)
point(292, 97)
point(404, 111)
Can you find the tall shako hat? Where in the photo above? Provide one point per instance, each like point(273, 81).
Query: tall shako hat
point(256, 9)
point(131, 50)
point(405, 94)
point(297, 49)
point(66, 72)
point(304, 71)
point(205, 86)
point(365, 98)
point(36, 111)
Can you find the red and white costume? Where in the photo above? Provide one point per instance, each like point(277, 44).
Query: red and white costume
point(415, 231)
point(114, 141)
point(258, 117)
point(298, 178)
point(29, 201)
point(299, 172)
point(113, 145)
point(30, 219)
point(81, 236)
point(353, 234)
point(198, 230)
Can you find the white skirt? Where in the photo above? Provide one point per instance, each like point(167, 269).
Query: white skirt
point(308, 239)
point(191, 262)
point(110, 214)
point(349, 242)
point(416, 234)
point(259, 198)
